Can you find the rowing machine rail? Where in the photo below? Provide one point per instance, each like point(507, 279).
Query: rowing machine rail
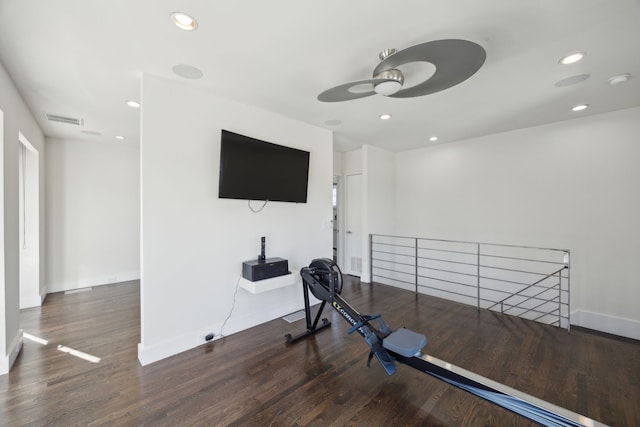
point(324, 280)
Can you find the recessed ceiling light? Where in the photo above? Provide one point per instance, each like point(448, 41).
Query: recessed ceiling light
point(580, 107)
point(333, 122)
point(120, 137)
point(184, 21)
point(133, 104)
point(187, 71)
point(385, 116)
point(433, 139)
point(573, 58)
point(622, 78)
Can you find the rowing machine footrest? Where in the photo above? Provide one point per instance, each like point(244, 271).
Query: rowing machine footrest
point(405, 342)
point(359, 324)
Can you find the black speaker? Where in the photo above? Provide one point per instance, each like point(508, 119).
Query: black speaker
point(255, 270)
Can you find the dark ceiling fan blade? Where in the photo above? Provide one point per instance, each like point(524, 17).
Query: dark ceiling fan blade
point(342, 93)
point(455, 61)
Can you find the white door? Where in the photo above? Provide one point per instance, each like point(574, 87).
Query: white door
point(353, 226)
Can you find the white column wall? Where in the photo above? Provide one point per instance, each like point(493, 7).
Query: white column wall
point(93, 213)
point(193, 243)
point(570, 185)
point(16, 118)
point(378, 199)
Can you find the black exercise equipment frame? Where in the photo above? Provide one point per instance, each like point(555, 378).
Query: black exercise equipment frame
point(324, 279)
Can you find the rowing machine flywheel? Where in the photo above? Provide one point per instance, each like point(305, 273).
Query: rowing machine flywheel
point(328, 273)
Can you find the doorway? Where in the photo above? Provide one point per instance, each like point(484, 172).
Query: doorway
point(29, 223)
point(334, 221)
point(353, 225)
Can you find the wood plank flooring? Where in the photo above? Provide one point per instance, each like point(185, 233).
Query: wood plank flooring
point(253, 378)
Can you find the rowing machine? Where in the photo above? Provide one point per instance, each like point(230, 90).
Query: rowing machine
point(324, 279)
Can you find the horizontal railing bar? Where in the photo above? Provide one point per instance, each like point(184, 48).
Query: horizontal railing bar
point(528, 299)
point(533, 308)
point(446, 281)
point(544, 301)
point(522, 259)
point(393, 271)
point(508, 292)
point(535, 283)
point(453, 292)
point(448, 271)
point(536, 312)
point(545, 288)
point(554, 288)
point(473, 243)
point(395, 280)
point(504, 280)
point(450, 262)
point(533, 311)
point(394, 245)
point(448, 251)
point(448, 292)
point(513, 270)
point(394, 253)
point(393, 262)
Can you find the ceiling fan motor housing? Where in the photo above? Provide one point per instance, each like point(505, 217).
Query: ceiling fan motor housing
point(391, 86)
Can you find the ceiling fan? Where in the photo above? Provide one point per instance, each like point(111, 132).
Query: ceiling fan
point(455, 61)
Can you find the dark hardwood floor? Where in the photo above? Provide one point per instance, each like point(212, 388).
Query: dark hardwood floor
point(253, 378)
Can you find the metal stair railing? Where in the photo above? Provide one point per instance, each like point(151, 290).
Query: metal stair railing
point(514, 278)
point(526, 298)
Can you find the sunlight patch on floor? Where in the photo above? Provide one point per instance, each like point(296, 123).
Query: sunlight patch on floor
point(80, 354)
point(34, 338)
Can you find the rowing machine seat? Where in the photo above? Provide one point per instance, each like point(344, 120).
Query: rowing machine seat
point(405, 342)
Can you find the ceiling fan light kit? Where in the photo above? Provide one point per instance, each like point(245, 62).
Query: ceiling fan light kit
point(455, 61)
point(391, 86)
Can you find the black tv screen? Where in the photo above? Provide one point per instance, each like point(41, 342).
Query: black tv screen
point(252, 169)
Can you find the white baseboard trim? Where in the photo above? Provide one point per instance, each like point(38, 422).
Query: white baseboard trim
point(6, 362)
point(162, 350)
point(628, 328)
point(94, 281)
point(31, 301)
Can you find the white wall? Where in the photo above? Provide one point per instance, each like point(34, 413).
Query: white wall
point(193, 244)
point(338, 160)
point(352, 162)
point(93, 213)
point(378, 198)
point(572, 185)
point(16, 118)
point(32, 288)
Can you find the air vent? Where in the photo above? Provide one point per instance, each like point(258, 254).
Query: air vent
point(64, 119)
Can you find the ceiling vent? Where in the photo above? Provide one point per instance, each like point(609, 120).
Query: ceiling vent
point(64, 119)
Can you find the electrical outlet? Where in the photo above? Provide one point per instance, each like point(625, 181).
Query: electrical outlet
point(206, 337)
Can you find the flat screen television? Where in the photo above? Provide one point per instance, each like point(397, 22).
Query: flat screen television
point(252, 169)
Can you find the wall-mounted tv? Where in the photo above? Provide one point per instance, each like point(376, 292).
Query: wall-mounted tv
point(252, 169)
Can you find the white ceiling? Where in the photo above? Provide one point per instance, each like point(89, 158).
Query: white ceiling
point(84, 58)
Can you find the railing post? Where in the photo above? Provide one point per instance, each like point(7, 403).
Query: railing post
point(416, 263)
point(560, 298)
point(371, 257)
point(478, 277)
point(567, 263)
